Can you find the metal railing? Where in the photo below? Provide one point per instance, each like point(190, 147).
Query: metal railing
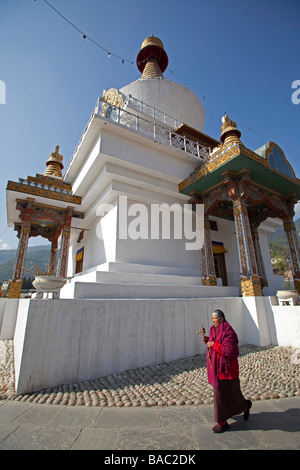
point(151, 129)
point(149, 110)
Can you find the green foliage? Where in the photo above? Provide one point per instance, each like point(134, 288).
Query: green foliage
point(279, 249)
point(38, 255)
point(27, 282)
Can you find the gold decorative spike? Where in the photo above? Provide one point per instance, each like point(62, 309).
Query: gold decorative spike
point(230, 133)
point(54, 164)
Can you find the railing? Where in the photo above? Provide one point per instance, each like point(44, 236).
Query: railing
point(151, 129)
point(145, 108)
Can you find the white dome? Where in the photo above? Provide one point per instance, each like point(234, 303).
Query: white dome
point(170, 97)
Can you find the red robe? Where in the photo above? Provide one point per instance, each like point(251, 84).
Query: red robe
point(233, 366)
point(222, 360)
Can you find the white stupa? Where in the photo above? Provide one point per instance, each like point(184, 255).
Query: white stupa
point(134, 147)
point(139, 284)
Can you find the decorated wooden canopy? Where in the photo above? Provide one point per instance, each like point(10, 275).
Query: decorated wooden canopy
point(248, 187)
point(42, 205)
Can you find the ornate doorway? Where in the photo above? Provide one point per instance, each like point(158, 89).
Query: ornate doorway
point(220, 266)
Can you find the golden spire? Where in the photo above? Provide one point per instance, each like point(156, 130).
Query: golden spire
point(152, 69)
point(54, 164)
point(230, 133)
point(152, 60)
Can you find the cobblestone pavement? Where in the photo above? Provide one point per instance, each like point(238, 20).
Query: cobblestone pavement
point(265, 373)
point(163, 407)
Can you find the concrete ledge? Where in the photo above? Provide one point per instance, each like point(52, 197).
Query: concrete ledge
point(287, 325)
point(256, 321)
point(129, 290)
point(8, 317)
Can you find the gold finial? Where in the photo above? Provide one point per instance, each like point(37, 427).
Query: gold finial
point(230, 133)
point(54, 164)
point(152, 41)
point(152, 60)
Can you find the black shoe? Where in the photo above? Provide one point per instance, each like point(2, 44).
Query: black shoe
point(218, 429)
point(247, 411)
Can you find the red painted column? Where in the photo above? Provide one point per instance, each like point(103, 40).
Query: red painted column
point(209, 276)
point(294, 249)
point(250, 282)
point(16, 284)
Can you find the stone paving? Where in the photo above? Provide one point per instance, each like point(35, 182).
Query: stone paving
point(164, 407)
point(273, 425)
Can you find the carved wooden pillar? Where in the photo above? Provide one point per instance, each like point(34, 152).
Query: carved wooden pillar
point(64, 247)
point(16, 284)
point(250, 281)
point(209, 276)
point(53, 252)
point(258, 257)
point(294, 249)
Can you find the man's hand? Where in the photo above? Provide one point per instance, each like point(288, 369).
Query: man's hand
point(210, 344)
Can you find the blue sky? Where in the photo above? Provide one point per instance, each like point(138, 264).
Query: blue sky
point(238, 56)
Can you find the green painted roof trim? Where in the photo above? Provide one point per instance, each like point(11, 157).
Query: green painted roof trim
point(259, 173)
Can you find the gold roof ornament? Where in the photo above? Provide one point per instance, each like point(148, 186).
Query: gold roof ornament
point(152, 60)
point(54, 164)
point(114, 97)
point(230, 133)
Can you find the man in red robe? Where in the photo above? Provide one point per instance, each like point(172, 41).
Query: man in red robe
point(223, 372)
